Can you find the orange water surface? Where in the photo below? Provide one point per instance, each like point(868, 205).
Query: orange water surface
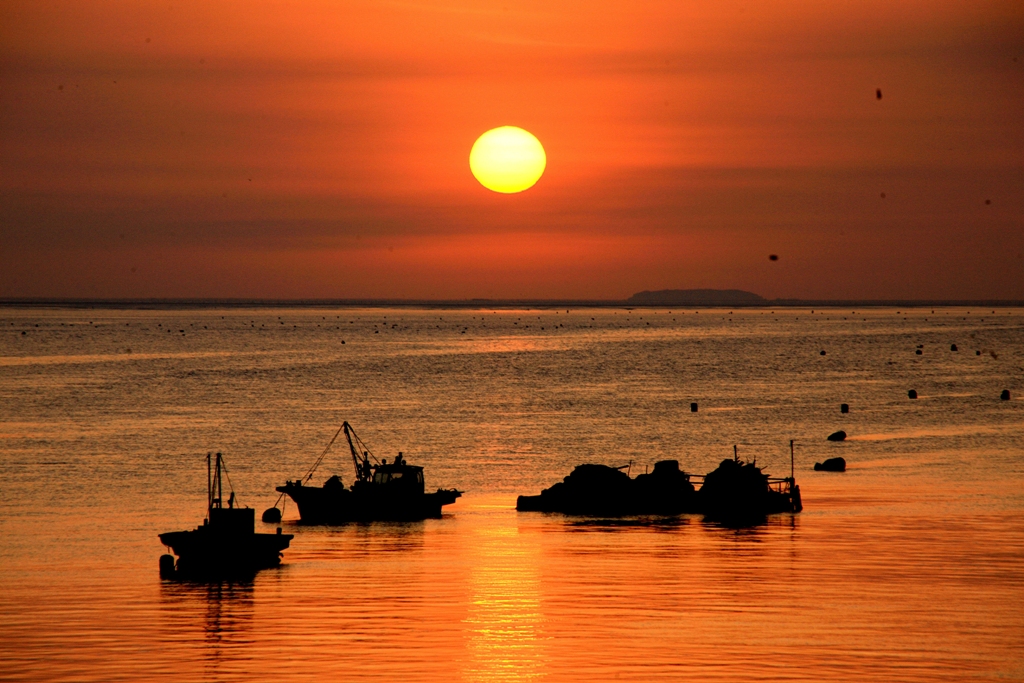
point(908, 567)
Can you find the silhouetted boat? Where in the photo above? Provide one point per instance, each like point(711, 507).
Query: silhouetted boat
point(226, 545)
point(735, 492)
point(739, 492)
point(603, 490)
point(380, 491)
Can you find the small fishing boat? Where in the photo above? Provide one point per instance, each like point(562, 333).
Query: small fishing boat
point(380, 491)
point(226, 545)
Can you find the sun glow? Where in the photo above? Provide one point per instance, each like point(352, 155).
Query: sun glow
point(507, 159)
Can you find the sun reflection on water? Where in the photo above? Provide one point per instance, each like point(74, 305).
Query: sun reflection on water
point(504, 624)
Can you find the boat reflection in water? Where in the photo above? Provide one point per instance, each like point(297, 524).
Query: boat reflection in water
point(218, 616)
point(381, 491)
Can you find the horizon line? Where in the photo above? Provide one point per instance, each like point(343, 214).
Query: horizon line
point(247, 302)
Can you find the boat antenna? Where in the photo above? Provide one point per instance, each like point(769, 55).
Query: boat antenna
point(209, 485)
point(213, 487)
point(220, 487)
point(216, 483)
point(792, 468)
point(735, 453)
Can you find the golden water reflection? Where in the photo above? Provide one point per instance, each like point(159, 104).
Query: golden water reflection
point(504, 622)
point(906, 568)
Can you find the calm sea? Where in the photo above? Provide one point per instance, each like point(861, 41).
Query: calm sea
point(908, 567)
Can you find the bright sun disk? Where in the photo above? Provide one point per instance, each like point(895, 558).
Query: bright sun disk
point(507, 159)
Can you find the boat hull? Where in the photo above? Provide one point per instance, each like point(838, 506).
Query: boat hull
point(336, 505)
point(599, 490)
point(203, 552)
point(735, 493)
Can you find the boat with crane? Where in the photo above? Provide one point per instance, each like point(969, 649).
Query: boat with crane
point(380, 490)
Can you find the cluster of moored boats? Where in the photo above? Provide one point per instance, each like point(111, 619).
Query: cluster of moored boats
point(227, 545)
point(736, 492)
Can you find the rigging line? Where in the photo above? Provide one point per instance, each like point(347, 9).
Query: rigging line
point(231, 487)
point(362, 446)
point(309, 474)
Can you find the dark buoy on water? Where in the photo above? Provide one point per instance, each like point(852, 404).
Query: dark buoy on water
point(1005, 395)
point(844, 408)
point(952, 347)
point(912, 393)
point(919, 352)
point(831, 465)
point(693, 407)
point(823, 352)
point(837, 436)
point(977, 353)
point(272, 515)
point(167, 566)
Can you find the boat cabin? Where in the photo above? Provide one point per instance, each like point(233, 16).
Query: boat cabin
point(232, 520)
point(388, 473)
point(398, 475)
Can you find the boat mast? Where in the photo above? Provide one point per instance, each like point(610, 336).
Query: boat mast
point(792, 470)
point(360, 462)
point(214, 489)
point(209, 486)
point(352, 448)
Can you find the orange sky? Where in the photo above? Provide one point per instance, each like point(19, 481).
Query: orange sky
point(320, 149)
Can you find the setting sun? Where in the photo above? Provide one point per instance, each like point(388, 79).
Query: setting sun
point(507, 159)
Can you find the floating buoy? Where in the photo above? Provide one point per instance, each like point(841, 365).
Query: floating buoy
point(823, 352)
point(952, 347)
point(693, 407)
point(271, 515)
point(831, 465)
point(919, 352)
point(977, 353)
point(844, 408)
point(167, 566)
point(912, 393)
point(1005, 395)
point(837, 436)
